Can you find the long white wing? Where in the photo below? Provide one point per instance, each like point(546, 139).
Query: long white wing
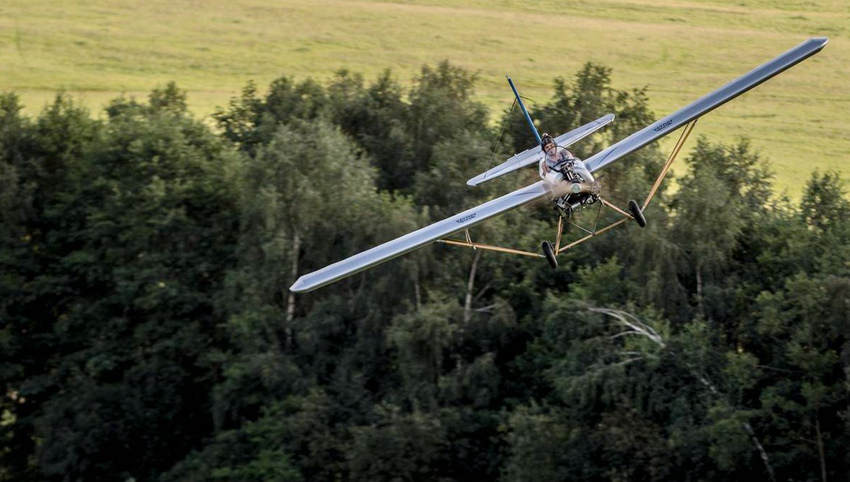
point(417, 239)
point(706, 104)
point(471, 217)
point(533, 155)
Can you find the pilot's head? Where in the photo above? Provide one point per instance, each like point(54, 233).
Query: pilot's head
point(548, 144)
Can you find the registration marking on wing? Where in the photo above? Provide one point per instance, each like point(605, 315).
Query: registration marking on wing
point(663, 125)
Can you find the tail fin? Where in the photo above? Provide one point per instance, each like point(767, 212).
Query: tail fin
point(524, 112)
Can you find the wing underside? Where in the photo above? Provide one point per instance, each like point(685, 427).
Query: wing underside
point(533, 155)
point(417, 239)
point(706, 103)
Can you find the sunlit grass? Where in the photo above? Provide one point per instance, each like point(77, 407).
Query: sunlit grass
point(679, 50)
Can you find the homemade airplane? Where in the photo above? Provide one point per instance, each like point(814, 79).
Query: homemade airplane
point(567, 186)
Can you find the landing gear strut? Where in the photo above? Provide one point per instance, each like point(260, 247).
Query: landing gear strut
point(565, 210)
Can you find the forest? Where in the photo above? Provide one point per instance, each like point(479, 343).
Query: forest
point(147, 332)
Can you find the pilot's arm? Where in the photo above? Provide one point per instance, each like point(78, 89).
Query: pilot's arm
point(543, 168)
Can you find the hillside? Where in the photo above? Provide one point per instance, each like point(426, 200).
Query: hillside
point(679, 50)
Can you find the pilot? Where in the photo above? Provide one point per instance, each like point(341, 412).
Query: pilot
point(561, 160)
point(573, 171)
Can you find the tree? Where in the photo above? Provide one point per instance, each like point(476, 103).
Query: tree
point(36, 159)
point(119, 317)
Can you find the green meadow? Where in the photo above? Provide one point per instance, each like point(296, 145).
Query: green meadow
point(679, 50)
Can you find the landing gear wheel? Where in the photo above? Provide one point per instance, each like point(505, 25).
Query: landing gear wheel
point(635, 211)
point(549, 252)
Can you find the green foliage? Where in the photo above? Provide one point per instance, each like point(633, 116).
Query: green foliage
point(539, 442)
point(824, 203)
point(147, 331)
point(268, 466)
point(398, 446)
point(442, 107)
point(376, 118)
point(121, 237)
point(419, 340)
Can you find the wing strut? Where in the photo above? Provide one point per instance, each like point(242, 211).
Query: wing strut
point(670, 159)
point(626, 217)
point(489, 247)
point(652, 192)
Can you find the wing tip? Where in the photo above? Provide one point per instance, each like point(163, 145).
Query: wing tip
point(300, 286)
point(821, 41)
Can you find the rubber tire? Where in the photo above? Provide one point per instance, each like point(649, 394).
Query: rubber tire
point(550, 254)
point(635, 211)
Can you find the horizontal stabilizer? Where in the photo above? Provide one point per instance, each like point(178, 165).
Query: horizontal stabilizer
point(533, 155)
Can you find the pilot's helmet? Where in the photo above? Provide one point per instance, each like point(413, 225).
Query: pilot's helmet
point(545, 140)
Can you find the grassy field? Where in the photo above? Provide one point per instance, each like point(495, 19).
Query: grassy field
point(680, 50)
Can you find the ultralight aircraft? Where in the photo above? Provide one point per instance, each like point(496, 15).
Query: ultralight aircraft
point(565, 186)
